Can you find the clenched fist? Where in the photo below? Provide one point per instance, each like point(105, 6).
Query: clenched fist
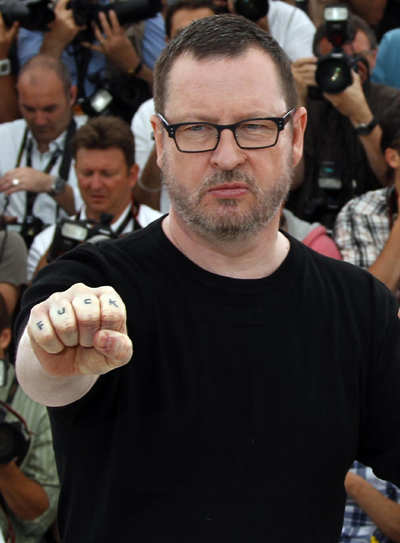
point(81, 331)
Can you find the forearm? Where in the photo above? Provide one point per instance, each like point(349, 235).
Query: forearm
point(383, 512)
point(44, 388)
point(51, 45)
point(9, 109)
point(376, 158)
point(371, 142)
point(66, 200)
point(26, 498)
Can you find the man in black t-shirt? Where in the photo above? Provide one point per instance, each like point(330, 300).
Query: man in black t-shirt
point(202, 373)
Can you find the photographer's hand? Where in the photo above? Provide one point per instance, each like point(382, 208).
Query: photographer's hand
point(353, 104)
point(118, 48)
point(303, 71)
point(32, 180)
point(7, 36)
point(29, 179)
point(62, 30)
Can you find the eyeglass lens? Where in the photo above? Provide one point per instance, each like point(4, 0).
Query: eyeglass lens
point(253, 133)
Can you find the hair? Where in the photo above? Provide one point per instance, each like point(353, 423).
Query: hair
point(186, 5)
point(355, 24)
point(224, 37)
point(104, 133)
point(50, 63)
point(5, 319)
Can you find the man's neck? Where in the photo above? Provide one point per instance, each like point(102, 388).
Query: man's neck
point(255, 258)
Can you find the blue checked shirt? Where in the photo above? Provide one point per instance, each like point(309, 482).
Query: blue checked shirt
point(357, 526)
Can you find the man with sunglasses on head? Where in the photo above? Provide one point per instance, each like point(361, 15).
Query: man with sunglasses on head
point(202, 373)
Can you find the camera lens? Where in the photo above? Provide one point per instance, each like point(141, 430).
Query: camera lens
point(333, 75)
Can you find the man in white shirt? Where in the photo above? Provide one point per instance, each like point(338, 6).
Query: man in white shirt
point(37, 179)
point(104, 154)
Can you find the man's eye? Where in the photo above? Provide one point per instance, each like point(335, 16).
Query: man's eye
point(195, 128)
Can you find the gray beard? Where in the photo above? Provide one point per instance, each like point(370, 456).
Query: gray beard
point(226, 221)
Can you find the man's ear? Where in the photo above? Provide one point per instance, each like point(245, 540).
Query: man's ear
point(73, 94)
point(5, 338)
point(392, 157)
point(133, 174)
point(158, 137)
point(299, 127)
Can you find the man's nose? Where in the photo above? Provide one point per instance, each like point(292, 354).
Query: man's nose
point(228, 155)
point(97, 180)
point(40, 118)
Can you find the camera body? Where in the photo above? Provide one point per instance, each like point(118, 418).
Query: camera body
point(333, 73)
point(28, 229)
point(37, 14)
point(115, 94)
point(71, 233)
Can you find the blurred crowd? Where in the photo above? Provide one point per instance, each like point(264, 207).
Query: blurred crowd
point(78, 163)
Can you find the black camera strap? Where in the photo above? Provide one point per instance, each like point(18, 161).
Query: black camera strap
point(131, 214)
point(64, 166)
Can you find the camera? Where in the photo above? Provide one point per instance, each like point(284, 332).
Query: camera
point(37, 14)
point(333, 73)
point(253, 10)
point(115, 94)
point(14, 436)
point(69, 234)
point(28, 229)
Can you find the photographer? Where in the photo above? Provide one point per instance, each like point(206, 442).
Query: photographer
point(29, 486)
point(104, 154)
point(342, 156)
point(88, 50)
point(37, 181)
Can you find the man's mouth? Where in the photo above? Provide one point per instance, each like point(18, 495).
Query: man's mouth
point(229, 190)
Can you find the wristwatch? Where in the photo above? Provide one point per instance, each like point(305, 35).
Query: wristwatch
point(58, 186)
point(363, 129)
point(5, 67)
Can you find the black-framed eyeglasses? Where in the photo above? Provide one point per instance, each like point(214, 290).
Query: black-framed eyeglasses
point(258, 133)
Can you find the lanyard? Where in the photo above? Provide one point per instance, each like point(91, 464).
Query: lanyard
point(63, 171)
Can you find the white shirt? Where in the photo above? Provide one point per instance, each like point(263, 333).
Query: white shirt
point(45, 207)
point(292, 29)
point(42, 241)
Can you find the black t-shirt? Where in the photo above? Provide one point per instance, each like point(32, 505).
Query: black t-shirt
point(244, 404)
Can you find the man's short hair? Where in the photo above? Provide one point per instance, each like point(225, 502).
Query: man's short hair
point(221, 36)
point(355, 24)
point(105, 133)
point(190, 5)
point(53, 64)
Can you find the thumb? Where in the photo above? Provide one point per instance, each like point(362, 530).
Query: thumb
point(116, 347)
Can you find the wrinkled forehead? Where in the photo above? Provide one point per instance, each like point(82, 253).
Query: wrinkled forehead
point(248, 76)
